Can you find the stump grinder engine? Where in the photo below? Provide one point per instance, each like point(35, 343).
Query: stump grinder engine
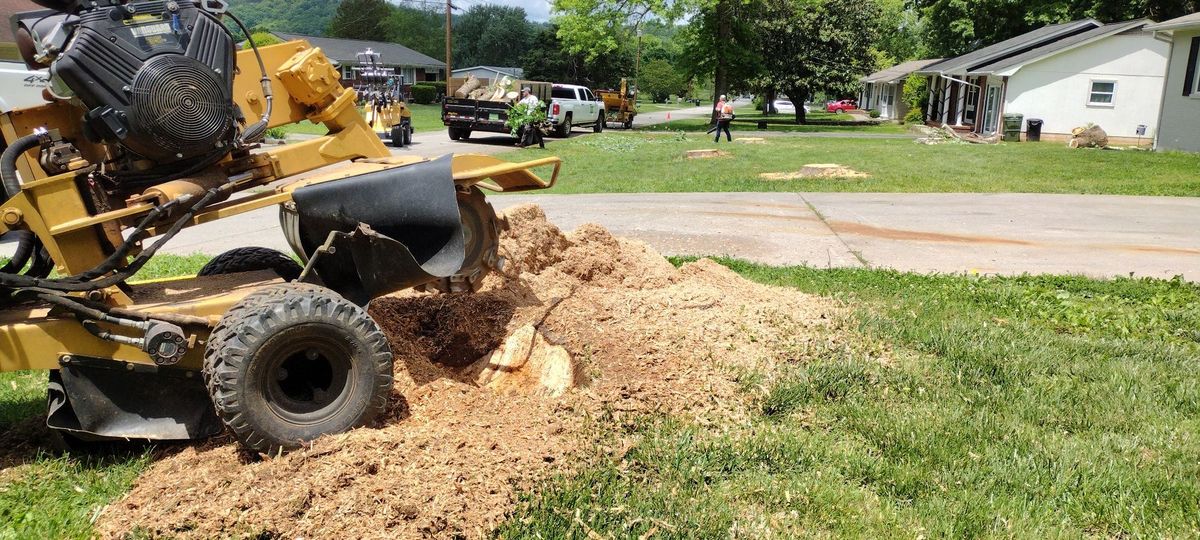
point(151, 125)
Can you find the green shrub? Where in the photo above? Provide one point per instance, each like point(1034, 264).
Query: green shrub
point(916, 96)
point(440, 85)
point(424, 93)
point(874, 113)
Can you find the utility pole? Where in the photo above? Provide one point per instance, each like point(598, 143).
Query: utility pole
point(637, 63)
point(448, 28)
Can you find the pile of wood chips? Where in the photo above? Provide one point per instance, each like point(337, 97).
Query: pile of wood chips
point(621, 332)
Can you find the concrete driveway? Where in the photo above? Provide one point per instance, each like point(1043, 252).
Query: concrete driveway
point(1101, 236)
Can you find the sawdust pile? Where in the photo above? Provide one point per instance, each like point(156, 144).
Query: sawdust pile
point(605, 324)
point(816, 170)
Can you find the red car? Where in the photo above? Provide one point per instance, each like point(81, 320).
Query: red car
point(841, 106)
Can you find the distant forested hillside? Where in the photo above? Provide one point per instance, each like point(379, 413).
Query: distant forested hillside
point(309, 17)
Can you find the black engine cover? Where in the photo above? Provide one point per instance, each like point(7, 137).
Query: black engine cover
point(157, 78)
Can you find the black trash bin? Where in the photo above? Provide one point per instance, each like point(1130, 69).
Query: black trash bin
point(1033, 130)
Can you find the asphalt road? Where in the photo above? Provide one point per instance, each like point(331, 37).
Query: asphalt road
point(1099, 236)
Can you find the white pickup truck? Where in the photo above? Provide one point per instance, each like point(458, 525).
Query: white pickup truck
point(20, 88)
point(571, 106)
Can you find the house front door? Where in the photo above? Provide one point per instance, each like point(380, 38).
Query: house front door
point(991, 109)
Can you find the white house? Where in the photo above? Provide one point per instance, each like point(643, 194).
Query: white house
point(1180, 116)
point(883, 90)
point(1068, 76)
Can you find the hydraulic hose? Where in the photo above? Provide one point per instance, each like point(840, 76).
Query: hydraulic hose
point(255, 132)
point(26, 247)
point(70, 285)
point(8, 163)
point(27, 242)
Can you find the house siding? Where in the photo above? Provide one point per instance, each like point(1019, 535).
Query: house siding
point(1056, 89)
point(1180, 114)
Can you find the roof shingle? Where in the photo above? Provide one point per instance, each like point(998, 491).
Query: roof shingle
point(1061, 45)
point(899, 71)
point(345, 51)
point(1011, 47)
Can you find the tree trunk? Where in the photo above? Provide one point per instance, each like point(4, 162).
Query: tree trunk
point(724, 36)
point(798, 97)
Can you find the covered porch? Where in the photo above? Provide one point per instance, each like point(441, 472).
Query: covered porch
point(966, 103)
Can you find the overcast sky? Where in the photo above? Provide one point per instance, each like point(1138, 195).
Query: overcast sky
point(538, 10)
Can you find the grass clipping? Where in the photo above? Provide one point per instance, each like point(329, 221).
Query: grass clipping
point(495, 391)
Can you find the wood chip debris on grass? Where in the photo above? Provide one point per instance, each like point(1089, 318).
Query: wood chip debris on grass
point(816, 170)
point(623, 333)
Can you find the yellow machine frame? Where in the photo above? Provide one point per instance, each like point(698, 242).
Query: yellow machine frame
point(306, 86)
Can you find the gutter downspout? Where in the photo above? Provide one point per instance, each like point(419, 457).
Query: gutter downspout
point(959, 81)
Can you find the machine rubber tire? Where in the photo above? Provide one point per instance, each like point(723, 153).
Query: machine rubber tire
point(481, 230)
point(408, 135)
point(294, 363)
point(253, 259)
point(599, 126)
point(563, 130)
point(629, 124)
point(397, 135)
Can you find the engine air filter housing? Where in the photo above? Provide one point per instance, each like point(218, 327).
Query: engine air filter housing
point(178, 106)
point(156, 78)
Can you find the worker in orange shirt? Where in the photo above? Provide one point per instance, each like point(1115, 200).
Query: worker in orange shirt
point(724, 118)
point(717, 112)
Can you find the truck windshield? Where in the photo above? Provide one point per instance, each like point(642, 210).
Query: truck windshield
point(563, 93)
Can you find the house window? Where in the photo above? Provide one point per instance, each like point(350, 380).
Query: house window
point(1102, 93)
point(1192, 75)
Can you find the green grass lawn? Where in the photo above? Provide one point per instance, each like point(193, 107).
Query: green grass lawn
point(627, 163)
point(643, 106)
point(1039, 407)
point(46, 495)
point(1016, 407)
point(425, 118)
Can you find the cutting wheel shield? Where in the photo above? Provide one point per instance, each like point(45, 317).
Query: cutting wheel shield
point(396, 229)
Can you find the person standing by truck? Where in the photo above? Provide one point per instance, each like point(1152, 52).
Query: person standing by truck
point(530, 132)
point(724, 118)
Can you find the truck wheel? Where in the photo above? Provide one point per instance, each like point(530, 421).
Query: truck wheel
point(599, 127)
point(397, 135)
point(629, 124)
point(481, 233)
point(564, 129)
point(465, 134)
point(297, 364)
point(454, 135)
point(408, 134)
point(253, 259)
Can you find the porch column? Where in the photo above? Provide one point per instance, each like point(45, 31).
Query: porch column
point(932, 96)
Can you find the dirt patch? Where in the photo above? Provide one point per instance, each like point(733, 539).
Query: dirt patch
point(862, 229)
point(605, 324)
point(816, 170)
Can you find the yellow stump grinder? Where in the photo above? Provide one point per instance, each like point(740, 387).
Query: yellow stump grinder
point(151, 126)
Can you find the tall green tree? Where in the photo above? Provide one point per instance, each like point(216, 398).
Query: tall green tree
point(660, 79)
point(810, 46)
point(492, 35)
point(420, 29)
point(954, 27)
point(549, 59)
point(361, 19)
